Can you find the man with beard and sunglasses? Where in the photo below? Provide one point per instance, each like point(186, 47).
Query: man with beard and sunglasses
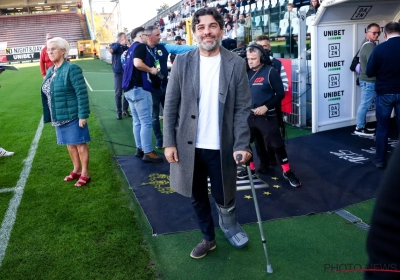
point(160, 53)
point(205, 129)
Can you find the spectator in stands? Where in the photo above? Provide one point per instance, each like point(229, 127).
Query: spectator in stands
point(267, 94)
point(139, 69)
point(290, 13)
point(228, 32)
point(45, 62)
point(116, 50)
point(207, 142)
point(383, 64)
point(187, 11)
point(172, 33)
point(161, 24)
point(247, 29)
point(171, 17)
point(179, 31)
point(313, 9)
point(66, 105)
point(228, 20)
point(367, 84)
point(183, 42)
point(234, 12)
point(178, 16)
point(222, 10)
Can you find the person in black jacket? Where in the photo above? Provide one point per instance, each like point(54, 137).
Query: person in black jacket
point(267, 92)
point(383, 64)
point(116, 50)
point(383, 242)
point(313, 9)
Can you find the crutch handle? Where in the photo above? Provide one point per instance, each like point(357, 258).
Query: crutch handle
point(239, 158)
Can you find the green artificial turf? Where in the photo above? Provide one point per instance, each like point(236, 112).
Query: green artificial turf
point(4, 202)
point(299, 247)
point(63, 232)
point(100, 231)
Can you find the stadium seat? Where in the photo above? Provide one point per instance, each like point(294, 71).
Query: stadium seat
point(30, 30)
point(265, 20)
point(309, 20)
point(257, 20)
point(295, 26)
point(283, 26)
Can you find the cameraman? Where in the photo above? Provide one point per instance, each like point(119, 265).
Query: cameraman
point(267, 92)
point(3, 152)
point(117, 49)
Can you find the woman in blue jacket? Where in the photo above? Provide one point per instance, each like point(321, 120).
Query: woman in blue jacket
point(66, 105)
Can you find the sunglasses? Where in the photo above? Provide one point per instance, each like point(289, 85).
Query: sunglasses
point(374, 33)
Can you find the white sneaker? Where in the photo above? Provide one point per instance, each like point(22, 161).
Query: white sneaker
point(4, 153)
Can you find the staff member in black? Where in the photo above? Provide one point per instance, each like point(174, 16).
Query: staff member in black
point(267, 92)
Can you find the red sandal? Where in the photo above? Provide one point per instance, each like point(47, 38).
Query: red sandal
point(71, 176)
point(82, 181)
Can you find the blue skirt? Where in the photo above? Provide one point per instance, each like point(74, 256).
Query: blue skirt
point(71, 134)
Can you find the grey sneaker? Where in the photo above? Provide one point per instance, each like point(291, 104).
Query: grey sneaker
point(202, 249)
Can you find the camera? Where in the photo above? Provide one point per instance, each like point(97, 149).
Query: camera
point(160, 76)
point(240, 51)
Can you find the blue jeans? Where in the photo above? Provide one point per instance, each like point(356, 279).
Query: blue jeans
point(367, 96)
point(141, 104)
point(384, 106)
point(158, 97)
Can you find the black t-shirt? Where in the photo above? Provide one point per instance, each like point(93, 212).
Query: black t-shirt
point(266, 87)
point(137, 79)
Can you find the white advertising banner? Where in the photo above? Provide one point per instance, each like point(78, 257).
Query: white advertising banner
point(335, 80)
point(337, 31)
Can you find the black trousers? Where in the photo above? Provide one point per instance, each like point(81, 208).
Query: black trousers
point(207, 163)
point(268, 127)
point(265, 154)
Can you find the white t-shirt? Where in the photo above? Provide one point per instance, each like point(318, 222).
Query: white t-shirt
point(208, 122)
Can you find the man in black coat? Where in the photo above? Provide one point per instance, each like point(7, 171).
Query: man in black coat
point(383, 64)
point(383, 243)
point(116, 50)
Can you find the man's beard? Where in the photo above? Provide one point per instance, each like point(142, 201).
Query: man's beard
point(209, 46)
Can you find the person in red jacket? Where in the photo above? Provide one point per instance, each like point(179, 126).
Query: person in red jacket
point(45, 62)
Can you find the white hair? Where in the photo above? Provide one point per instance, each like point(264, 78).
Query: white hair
point(61, 44)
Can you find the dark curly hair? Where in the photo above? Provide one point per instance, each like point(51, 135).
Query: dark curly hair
point(208, 11)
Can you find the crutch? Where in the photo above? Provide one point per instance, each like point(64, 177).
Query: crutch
point(253, 190)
